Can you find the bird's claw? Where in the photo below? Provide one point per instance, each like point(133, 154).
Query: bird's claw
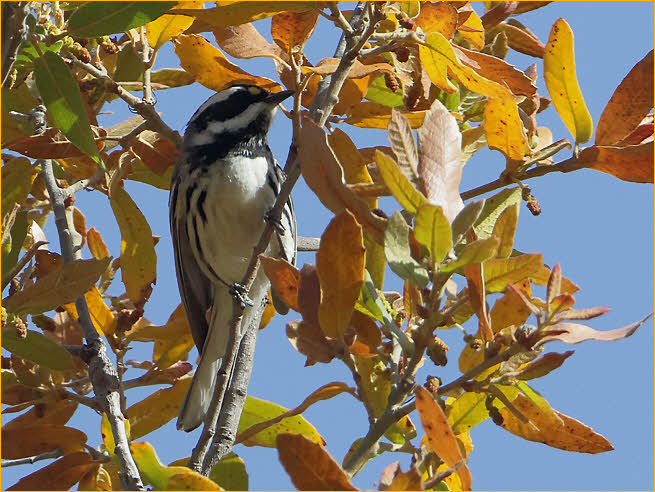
point(238, 291)
point(276, 221)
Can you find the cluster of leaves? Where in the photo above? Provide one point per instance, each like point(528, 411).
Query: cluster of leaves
point(438, 67)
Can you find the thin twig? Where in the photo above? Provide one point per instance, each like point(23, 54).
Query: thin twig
point(101, 371)
point(56, 453)
point(85, 183)
point(21, 263)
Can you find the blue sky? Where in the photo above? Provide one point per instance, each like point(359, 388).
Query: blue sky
point(598, 228)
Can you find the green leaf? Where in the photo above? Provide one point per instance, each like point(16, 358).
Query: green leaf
point(17, 177)
point(38, 348)
point(95, 19)
point(466, 218)
point(398, 253)
point(466, 411)
point(432, 230)
point(28, 54)
point(256, 411)
point(379, 92)
point(57, 288)
point(18, 234)
point(493, 207)
point(473, 253)
point(230, 473)
point(61, 96)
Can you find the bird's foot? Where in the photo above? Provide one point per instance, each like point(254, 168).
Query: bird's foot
point(275, 221)
point(238, 292)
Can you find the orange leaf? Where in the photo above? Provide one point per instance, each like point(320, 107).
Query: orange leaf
point(552, 428)
point(284, 278)
point(504, 129)
point(631, 101)
point(373, 115)
point(437, 17)
point(478, 297)
point(340, 263)
point(211, 68)
point(309, 465)
point(30, 441)
point(97, 246)
point(291, 30)
point(393, 478)
point(155, 151)
point(440, 434)
point(48, 412)
point(52, 144)
point(509, 310)
point(60, 475)
point(523, 40)
point(632, 163)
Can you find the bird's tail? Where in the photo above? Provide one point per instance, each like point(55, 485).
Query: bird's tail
point(198, 397)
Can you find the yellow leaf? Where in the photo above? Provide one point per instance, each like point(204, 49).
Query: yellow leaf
point(291, 30)
point(210, 67)
point(440, 435)
point(157, 409)
point(21, 442)
point(166, 27)
point(107, 434)
point(504, 129)
point(499, 272)
point(562, 83)
point(472, 30)
point(102, 317)
point(96, 244)
point(352, 162)
point(138, 258)
point(509, 310)
point(340, 264)
point(401, 188)
point(373, 115)
point(437, 17)
point(436, 66)
point(432, 229)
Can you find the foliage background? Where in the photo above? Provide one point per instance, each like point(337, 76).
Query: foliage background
point(599, 228)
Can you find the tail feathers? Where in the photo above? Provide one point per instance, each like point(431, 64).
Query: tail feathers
point(197, 400)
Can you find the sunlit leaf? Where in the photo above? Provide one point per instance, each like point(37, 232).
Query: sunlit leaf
point(521, 39)
point(632, 163)
point(562, 83)
point(60, 475)
point(245, 41)
point(542, 366)
point(474, 252)
point(93, 20)
point(138, 257)
point(291, 30)
point(284, 279)
point(401, 188)
point(340, 280)
point(440, 434)
point(101, 316)
point(437, 17)
point(432, 230)
point(235, 13)
point(56, 288)
point(504, 230)
point(309, 465)
point(393, 478)
point(501, 271)
point(466, 411)
point(471, 29)
point(230, 473)
point(493, 208)
point(164, 28)
point(30, 441)
point(509, 310)
point(440, 161)
point(503, 128)
point(157, 409)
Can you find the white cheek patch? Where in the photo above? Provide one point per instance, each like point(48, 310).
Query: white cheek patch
point(240, 121)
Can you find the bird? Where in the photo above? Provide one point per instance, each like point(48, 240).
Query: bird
point(222, 188)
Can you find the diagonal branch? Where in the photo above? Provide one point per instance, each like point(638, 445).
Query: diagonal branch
point(102, 372)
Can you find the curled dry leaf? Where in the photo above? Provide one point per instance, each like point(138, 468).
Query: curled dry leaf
point(631, 101)
point(440, 160)
point(284, 279)
point(155, 151)
point(522, 40)
point(402, 142)
point(309, 465)
point(245, 41)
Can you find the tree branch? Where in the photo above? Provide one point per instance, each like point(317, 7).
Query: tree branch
point(14, 32)
point(102, 372)
point(55, 453)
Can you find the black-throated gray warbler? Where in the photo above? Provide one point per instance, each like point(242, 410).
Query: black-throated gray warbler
point(223, 186)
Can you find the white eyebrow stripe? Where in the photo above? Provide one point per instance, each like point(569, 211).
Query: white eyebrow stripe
point(216, 98)
point(233, 124)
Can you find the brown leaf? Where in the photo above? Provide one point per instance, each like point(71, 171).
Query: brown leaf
point(440, 434)
point(440, 159)
point(575, 333)
point(210, 67)
point(291, 30)
point(21, 442)
point(497, 70)
point(633, 163)
point(284, 279)
point(57, 288)
point(523, 40)
point(393, 478)
point(340, 264)
point(401, 137)
point(631, 101)
point(60, 475)
point(52, 144)
point(368, 332)
point(542, 366)
point(324, 176)
point(309, 340)
point(477, 295)
point(245, 41)
point(155, 151)
point(327, 66)
point(309, 294)
point(552, 428)
point(309, 465)
point(640, 134)
point(437, 17)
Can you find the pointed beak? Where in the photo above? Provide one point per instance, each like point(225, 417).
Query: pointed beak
point(276, 98)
